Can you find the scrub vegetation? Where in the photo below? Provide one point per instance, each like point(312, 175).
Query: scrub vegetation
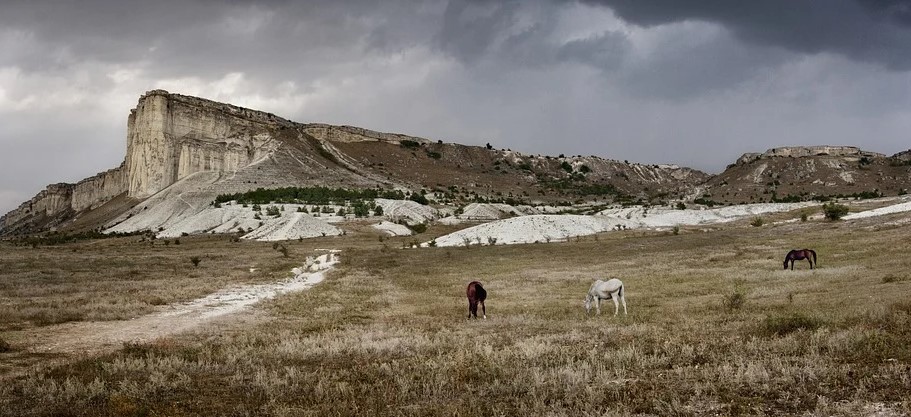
point(715, 327)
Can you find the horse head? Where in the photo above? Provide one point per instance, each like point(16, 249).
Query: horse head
point(588, 303)
point(787, 258)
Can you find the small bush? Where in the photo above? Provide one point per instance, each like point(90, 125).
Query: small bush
point(676, 230)
point(834, 211)
point(782, 325)
point(681, 206)
point(283, 250)
point(409, 144)
point(419, 198)
point(803, 217)
point(757, 221)
point(734, 301)
point(4, 346)
point(195, 261)
point(418, 228)
point(892, 278)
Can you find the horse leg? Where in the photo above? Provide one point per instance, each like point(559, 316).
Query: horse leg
point(810, 261)
point(616, 304)
point(472, 309)
point(598, 305)
point(623, 300)
point(483, 309)
point(792, 264)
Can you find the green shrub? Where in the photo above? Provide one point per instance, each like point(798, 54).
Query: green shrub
point(195, 260)
point(419, 198)
point(417, 228)
point(834, 211)
point(409, 144)
point(757, 221)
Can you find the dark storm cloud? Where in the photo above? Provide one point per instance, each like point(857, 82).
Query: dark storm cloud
point(206, 37)
point(605, 51)
point(690, 82)
point(876, 31)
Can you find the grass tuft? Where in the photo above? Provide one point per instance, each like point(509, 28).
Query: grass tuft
point(734, 300)
point(780, 325)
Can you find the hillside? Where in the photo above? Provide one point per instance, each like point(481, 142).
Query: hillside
point(183, 152)
point(805, 173)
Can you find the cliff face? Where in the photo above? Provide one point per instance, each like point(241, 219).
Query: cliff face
point(171, 136)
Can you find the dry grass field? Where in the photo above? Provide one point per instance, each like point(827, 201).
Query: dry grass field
point(715, 327)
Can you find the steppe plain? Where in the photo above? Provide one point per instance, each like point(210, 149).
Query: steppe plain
point(715, 326)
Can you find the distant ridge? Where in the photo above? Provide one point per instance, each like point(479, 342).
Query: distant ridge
point(183, 151)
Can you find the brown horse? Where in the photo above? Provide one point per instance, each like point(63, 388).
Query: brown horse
point(799, 255)
point(476, 294)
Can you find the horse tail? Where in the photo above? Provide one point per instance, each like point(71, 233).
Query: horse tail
point(814, 258)
point(621, 291)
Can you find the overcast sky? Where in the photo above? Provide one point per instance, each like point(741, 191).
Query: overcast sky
point(691, 82)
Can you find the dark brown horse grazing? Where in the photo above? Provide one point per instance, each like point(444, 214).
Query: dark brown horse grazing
point(476, 294)
point(799, 255)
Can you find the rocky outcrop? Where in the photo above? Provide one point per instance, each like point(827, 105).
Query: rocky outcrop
point(51, 205)
point(807, 151)
point(806, 172)
point(96, 190)
point(170, 136)
point(347, 134)
point(904, 155)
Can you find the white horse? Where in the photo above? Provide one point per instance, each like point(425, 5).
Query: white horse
point(602, 290)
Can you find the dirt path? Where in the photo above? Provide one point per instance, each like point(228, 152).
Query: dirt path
point(95, 337)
